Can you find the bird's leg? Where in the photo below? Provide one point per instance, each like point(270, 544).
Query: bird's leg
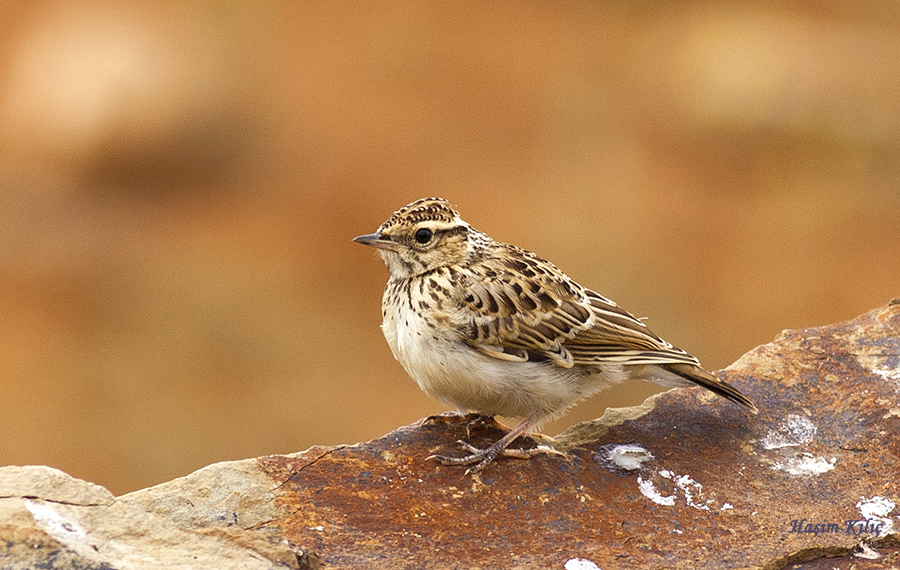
point(482, 457)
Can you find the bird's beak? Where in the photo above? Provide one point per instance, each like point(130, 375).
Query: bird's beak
point(378, 241)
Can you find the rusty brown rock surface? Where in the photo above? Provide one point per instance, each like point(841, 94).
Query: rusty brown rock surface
point(717, 487)
point(686, 480)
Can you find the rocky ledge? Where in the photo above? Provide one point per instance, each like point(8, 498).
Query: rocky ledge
point(685, 480)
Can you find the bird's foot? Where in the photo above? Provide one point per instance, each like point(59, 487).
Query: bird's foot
point(483, 457)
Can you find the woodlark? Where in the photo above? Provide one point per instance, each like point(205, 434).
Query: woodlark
point(490, 327)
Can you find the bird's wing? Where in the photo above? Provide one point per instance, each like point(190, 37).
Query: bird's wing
point(516, 306)
point(530, 310)
point(617, 336)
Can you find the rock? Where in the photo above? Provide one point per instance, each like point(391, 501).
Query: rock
point(703, 483)
point(685, 480)
point(51, 520)
point(233, 494)
point(51, 484)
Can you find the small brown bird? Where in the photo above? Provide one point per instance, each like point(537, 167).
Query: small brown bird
point(490, 327)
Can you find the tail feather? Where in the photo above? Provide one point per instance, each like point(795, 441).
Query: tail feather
point(703, 378)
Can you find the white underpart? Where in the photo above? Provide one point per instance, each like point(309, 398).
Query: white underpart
point(462, 377)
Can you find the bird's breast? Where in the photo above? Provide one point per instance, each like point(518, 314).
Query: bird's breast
point(406, 333)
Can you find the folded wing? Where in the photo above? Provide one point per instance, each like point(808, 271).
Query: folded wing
point(525, 309)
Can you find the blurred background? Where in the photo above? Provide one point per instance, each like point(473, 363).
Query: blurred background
point(179, 184)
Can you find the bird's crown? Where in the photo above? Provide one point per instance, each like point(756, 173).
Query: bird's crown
point(422, 210)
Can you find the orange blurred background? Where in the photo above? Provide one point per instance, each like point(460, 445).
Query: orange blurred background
point(179, 184)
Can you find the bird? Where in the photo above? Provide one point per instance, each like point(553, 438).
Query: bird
point(490, 327)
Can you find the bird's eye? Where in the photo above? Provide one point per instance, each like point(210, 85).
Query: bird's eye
point(424, 235)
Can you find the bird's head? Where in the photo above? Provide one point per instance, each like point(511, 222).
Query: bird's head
point(420, 237)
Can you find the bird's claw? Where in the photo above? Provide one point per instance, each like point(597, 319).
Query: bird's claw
point(483, 457)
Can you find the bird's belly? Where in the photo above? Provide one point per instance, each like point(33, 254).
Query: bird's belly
point(461, 376)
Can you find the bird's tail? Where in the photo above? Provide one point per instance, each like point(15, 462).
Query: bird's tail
point(696, 375)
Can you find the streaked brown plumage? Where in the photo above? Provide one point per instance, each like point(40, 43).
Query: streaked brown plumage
point(490, 327)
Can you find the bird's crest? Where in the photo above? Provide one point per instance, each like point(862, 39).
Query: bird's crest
point(424, 209)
